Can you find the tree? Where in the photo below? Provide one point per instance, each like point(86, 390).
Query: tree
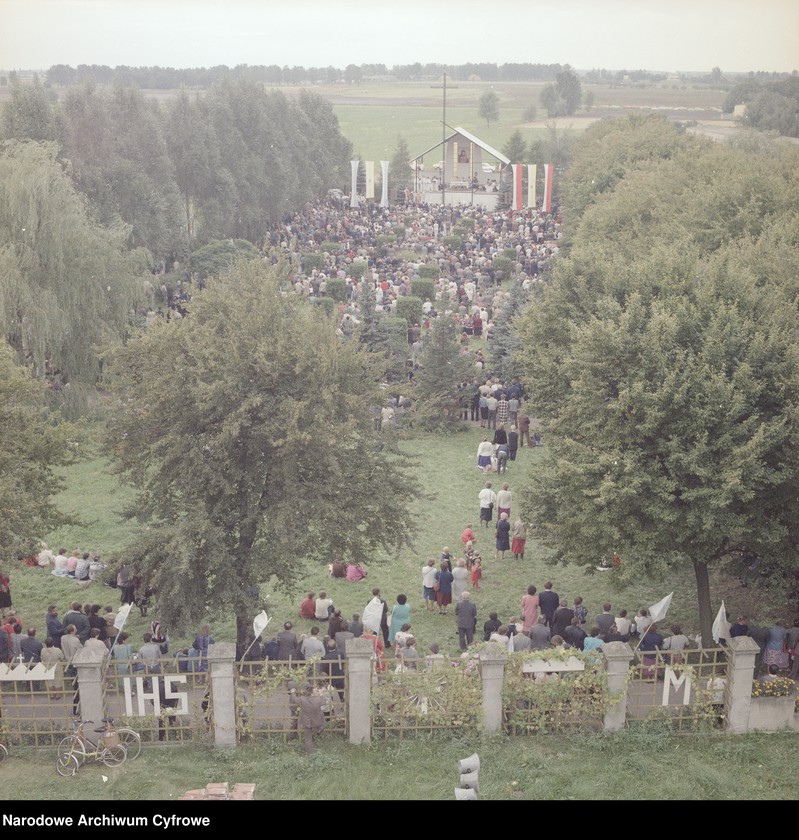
point(28, 115)
point(515, 149)
point(443, 368)
point(67, 286)
point(563, 97)
point(488, 106)
point(31, 446)
point(399, 171)
point(218, 428)
point(504, 344)
point(663, 365)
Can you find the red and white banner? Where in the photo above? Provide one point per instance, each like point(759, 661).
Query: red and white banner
point(517, 185)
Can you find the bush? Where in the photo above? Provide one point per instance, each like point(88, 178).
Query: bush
point(327, 303)
point(216, 257)
point(409, 220)
point(357, 269)
point(452, 241)
point(399, 231)
point(530, 113)
point(510, 253)
point(430, 271)
point(504, 265)
point(311, 262)
point(383, 240)
point(410, 309)
point(336, 289)
point(460, 230)
point(424, 289)
point(394, 326)
point(330, 246)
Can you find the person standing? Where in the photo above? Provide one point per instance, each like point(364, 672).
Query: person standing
point(484, 452)
point(428, 584)
point(502, 535)
point(491, 405)
point(504, 500)
point(530, 604)
point(548, 600)
point(81, 621)
point(524, 430)
point(465, 620)
point(5, 593)
point(309, 709)
point(460, 580)
point(513, 443)
point(400, 614)
point(375, 616)
point(202, 641)
point(444, 580)
point(519, 534)
point(487, 498)
point(55, 629)
point(288, 643)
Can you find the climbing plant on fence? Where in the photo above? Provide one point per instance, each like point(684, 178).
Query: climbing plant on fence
point(553, 701)
point(448, 697)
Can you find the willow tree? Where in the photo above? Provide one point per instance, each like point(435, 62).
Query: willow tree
point(31, 447)
point(66, 285)
point(247, 430)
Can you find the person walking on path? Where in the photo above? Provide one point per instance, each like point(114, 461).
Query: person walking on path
point(444, 588)
point(487, 498)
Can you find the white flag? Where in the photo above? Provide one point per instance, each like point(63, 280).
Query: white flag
point(122, 616)
point(259, 623)
point(657, 611)
point(720, 624)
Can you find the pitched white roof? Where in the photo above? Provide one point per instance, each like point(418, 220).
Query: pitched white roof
point(472, 139)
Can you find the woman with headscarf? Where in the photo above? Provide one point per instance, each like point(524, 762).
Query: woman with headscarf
point(502, 535)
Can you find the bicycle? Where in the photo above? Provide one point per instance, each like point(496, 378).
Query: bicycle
point(3, 751)
point(130, 740)
point(76, 748)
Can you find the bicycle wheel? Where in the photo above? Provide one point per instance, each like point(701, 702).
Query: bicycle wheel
point(67, 764)
point(130, 740)
point(69, 746)
point(114, 756)
point(3, 752)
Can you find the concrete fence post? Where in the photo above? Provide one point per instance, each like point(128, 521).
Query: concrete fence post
point(492, 673)
point(89, 665)
point(740, 673)
point(617, 657)
point(359, 690)
point(221, 673)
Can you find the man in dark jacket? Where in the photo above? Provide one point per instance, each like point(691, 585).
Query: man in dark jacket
point(465, 620)
point(548, 602)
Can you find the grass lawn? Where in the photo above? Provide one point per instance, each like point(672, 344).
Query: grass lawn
point(450, 481)
point(633, 765)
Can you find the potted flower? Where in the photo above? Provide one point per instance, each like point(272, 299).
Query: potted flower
point(773, 704)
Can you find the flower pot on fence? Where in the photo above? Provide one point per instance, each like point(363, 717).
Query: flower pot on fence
point(770, 714)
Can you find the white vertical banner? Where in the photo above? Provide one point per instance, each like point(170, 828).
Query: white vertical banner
point(532, 171)
point(517, 185)
point(354, 164)
point(546, 202)
point(370, 178)
point(384, 195)
point(455, 161)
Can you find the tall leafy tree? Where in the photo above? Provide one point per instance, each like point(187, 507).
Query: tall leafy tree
point(663, 364)
point(515, 148)
point(66, 285)
point(31, 447)
point(218, 429)
point(443, 368)
point(488, 106)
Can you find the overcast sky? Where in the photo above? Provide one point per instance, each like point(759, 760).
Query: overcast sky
point(736, 35)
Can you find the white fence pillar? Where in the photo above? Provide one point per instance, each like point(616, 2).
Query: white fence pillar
point(740, 673)
point(492, 672)
point(617, 656)
point(221, 673)
point(359, 690)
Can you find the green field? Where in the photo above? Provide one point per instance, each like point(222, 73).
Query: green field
point(446, 469)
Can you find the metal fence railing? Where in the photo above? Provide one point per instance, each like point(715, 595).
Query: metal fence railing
point(685, 691)
point(264, 690)
point(442, 695)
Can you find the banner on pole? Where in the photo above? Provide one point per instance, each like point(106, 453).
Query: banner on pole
point(384, 194)
point(532, 171)
point(517, 185)
point(370, 178)
point(354, 164)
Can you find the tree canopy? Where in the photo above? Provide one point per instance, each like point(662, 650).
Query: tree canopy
point(665, 363)
point(247, 430)
point(488, 106)
point(66, 285)
point(31, 447)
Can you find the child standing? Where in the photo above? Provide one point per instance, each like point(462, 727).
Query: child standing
point(476, 574)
